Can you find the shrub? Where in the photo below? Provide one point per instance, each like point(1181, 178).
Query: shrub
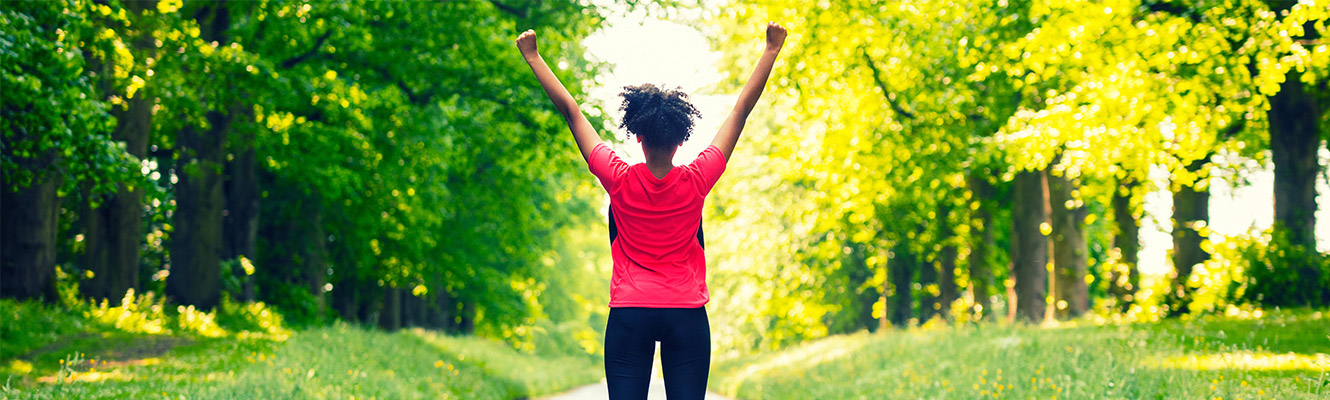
point(1285, 274)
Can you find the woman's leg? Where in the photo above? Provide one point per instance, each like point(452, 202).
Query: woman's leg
point(628, 352)
point(685, 353)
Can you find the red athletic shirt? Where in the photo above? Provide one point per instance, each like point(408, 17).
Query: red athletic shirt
point(658, 260)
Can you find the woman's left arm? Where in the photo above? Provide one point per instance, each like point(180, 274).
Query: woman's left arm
point(583, 132)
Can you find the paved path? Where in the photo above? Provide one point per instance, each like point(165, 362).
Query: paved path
point(598, 391)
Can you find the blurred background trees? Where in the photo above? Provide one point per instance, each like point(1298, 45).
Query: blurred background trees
point(940, 151)
point(393, 164)
point(382, 162)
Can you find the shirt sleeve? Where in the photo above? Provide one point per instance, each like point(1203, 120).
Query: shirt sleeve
point(709, 165)
point(606, 166)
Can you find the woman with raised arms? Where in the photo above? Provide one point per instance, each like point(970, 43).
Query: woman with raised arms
point(658, 287)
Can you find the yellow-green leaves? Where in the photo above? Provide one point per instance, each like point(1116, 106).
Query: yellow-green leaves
point(168, 6)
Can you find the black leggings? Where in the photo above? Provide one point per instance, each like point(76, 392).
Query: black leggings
point(685, 351)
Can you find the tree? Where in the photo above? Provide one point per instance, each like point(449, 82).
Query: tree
point(113, 224)
point(1071, 294)
point(1030, 245)
point(56, 135)
point(1125, 277)
point(904, 265)
point(1191, 212)
point(1295, 125)
point(196, 244)
point(983, 243)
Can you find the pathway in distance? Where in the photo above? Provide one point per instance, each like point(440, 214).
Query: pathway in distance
point(598, 391)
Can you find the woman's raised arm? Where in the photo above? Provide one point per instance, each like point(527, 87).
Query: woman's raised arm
point(734, 123)
point(583, 132)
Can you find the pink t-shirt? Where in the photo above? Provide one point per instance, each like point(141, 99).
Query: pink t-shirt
point(658, 258)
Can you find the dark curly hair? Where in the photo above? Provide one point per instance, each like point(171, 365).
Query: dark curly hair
point(663, 118)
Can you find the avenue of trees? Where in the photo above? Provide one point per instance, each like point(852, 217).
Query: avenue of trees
point(386, 162)
point(393, 163)
point(949, 159)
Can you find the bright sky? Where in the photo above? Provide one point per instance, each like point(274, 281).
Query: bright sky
point(1232, 211)
point(648, 50)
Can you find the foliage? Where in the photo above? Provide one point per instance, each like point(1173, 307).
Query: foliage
point(1276, 355)
point(888, 111)
point(395, 137)
point(55, 124)
point(1259, 268)
point(398, 140)
point(31, 325)
point(1275, 272)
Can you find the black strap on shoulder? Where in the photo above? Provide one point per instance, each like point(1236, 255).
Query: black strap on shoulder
point(614, 231)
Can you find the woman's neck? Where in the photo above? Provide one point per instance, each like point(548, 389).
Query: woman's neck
point(659, 162)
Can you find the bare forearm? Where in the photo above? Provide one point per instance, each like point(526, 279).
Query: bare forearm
point(583, 133)
point(553, 87)
point(757, 83)
point(732, 128)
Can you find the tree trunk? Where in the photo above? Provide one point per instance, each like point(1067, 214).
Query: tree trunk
point(946, 263)
point(466, 323)
point(27, 236)
point(197, 238)
point(1125, 277)
point(929, 303)
point(1070, 292)
point(981, 245)
point(314, 273)
point(903, 265)
point(1030, 246)
point(196, 241)
point(241, 216)
point(1294, 140)
point(947, 280)
point(413, 310)
point(113, 232)
point(440, 315)
point(1191, 210)
point(294, 255)
point(868, 295)
point(94, 220)
point(391, 317)
point(346, 298)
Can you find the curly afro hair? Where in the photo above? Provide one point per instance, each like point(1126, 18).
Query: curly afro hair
point(662, 118)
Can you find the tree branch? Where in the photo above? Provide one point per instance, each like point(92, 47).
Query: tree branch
point(1233, 129)
point(411, 95)
point(291, 62)
point(877, 78)
point(1177, 10)
point(510, 9)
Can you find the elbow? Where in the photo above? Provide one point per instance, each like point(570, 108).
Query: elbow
point(568, 109)
point(741, 113)
point(568, 113)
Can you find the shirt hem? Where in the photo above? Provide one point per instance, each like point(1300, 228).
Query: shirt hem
point(657, 305)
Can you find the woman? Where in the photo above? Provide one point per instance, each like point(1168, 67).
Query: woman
point(658, 288)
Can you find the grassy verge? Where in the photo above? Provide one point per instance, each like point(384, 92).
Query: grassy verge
point(1280, 355)
point(82, 356)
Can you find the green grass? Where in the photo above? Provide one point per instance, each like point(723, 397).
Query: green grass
point(85, 357)
point(1280, 355)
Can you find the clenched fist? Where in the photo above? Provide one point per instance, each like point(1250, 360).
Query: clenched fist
point(526, 42)
point(775, 36)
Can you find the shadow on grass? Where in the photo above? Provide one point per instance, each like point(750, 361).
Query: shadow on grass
point(521, 375)
point(88, 358)
point(1286, 344)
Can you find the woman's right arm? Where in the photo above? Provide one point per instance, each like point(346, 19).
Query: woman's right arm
point(734, 123)
point(583, 133)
